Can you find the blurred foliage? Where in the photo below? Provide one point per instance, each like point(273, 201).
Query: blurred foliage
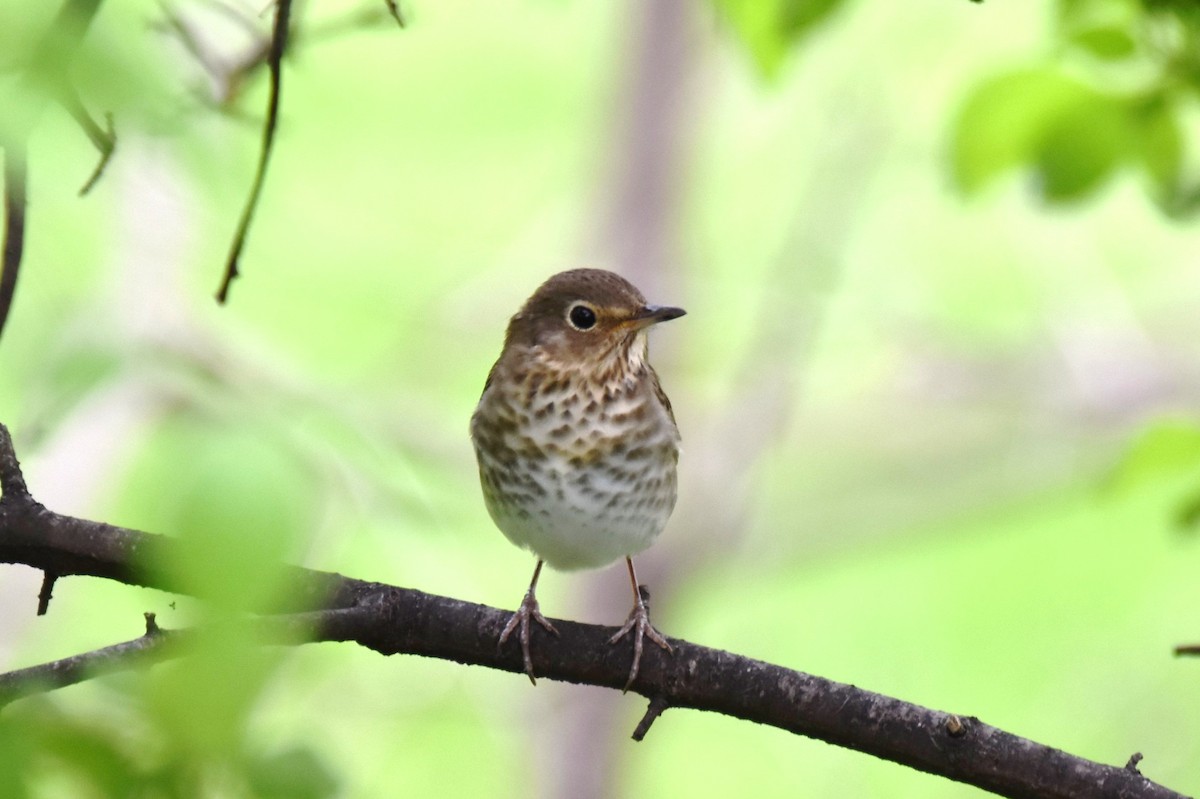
point(956, 381)
point(147, 750)
point(1116, 93)
point(769, 29)
point(1167, 453)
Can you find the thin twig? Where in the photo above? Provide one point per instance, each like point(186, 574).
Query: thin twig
point(47, 65)
point(15, 177)
point(279, 35)
point(227, 77)
point(103, 139)
point(394, 9)
point(39, 679)
point(157, 645)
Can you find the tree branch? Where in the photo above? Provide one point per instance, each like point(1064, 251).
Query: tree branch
point(47, 64)
point(395, 620)
point(157, 645)
point(279, 36)
point(25, 682)
point(15, 165)
point(103, 139)
point(393, 8)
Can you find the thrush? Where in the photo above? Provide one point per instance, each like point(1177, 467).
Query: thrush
point(576, 440)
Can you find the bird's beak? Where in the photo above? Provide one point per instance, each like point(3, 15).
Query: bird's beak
point(653, 314)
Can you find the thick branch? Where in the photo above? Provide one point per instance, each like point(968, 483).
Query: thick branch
point(394, 620)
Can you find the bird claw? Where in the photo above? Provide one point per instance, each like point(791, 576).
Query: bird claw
point(528, 610)
point(639, 624)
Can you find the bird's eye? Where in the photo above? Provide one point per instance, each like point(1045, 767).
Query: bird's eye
point(581, 317)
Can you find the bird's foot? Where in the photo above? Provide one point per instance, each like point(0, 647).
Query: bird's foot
point(639, 624)
point(528, 610)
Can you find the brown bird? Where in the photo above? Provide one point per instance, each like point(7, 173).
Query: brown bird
point(576, 441)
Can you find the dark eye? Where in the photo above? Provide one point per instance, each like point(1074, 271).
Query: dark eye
point(582, 317)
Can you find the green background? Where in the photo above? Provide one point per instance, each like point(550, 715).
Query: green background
point(937, 382)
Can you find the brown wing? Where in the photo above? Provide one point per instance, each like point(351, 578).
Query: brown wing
point(662, 395)
point(487, 383)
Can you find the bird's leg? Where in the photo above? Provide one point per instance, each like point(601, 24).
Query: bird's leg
point(639, 623)
point(528, 610)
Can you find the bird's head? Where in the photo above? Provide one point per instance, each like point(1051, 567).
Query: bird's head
point(586, 315)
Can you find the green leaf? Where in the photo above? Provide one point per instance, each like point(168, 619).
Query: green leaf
point(1161, 151)
point(294, 774)
point(18, 749)
point(768, 28)
point(1081, 146)
point(1167, 450)
point(1187, 514)
point(1162, 142)
point(201, 701)
point(92, 755)
point(1167, 453)
point(1002, 121)
point(239, 505)
point(1070, 11)
point(1107, 42)
point(1071, 134)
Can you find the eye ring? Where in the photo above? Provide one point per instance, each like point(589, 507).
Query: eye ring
point(581, 317)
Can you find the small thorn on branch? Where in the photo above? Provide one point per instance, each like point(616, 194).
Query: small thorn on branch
point(1132, 765)
point(152, 627)
point(48, 581)
point(955, 726)
point(656, 708)
point(12, 482)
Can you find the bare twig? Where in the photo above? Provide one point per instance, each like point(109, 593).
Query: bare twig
point(228, 77)
point(157, 645)
point(393, 8)
point(104, 139)
point(279, 35)
point(657, 706)
point(44, 596)
point(14, 224)
point(39, 679)
point(46, 65)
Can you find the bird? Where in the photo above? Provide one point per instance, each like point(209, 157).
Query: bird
point(576, 440)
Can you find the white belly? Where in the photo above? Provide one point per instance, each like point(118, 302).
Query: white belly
point(585, 519)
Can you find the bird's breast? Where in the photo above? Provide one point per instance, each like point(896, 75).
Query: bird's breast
point(581, 471)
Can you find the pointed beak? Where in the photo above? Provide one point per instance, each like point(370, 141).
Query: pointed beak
point(653, 314)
